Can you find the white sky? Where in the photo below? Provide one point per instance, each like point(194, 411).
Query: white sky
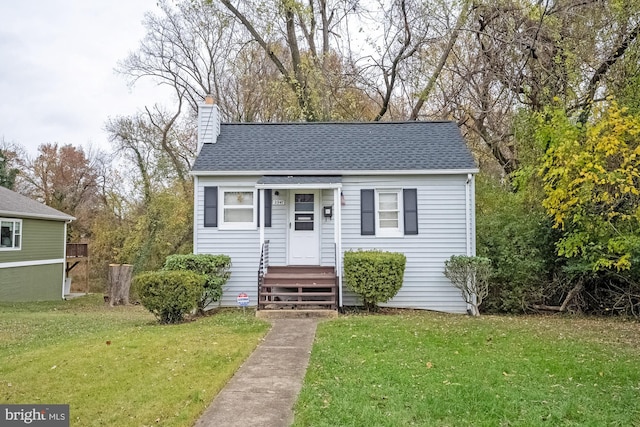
point(57, 82)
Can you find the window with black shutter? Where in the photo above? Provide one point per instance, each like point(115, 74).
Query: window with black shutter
point(367, 213)
point(210, 206)
point(410, 199)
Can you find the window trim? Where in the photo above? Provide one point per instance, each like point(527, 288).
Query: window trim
point(386, 231)
point(226, 225)
point(13, 237)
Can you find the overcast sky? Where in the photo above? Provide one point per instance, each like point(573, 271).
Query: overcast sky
point(57, 82)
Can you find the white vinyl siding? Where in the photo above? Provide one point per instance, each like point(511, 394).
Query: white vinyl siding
point(441, 221)
point(243, 246)
point(277, 233)
point(327, 246)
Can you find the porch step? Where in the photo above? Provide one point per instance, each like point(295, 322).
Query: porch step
point(294, 303)
point(297, 314)
point(295, 294)
point(298, 287)
point(301, 269)
point(308, 281)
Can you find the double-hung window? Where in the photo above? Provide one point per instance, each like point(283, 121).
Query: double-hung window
point(10, 234)
point(238, 208)
point(234, 208)
point(389, 212)
point(388, 209)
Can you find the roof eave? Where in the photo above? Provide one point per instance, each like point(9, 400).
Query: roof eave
point(15, 214)
point(337, 172)
point(308, 186)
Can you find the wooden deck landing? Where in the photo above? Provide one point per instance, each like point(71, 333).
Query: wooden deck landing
point(298, 287)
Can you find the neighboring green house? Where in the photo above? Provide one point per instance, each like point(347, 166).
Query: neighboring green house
point(33, 240)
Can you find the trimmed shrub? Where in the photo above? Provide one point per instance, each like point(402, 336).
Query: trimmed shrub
point(214, 267)
point(375, 275)
point(169, 295)
point(470, 274)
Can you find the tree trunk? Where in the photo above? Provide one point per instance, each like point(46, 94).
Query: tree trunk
point(119, 283)
point(562, 308)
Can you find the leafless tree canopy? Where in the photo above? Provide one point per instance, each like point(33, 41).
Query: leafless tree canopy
point(478, 62)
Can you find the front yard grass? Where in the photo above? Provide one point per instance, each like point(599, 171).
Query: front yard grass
point(429, 369)
point(117, 366)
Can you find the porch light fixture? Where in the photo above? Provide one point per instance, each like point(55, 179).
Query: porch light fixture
point(343, 201)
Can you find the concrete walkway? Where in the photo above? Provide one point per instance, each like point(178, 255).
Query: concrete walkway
point(265, 388)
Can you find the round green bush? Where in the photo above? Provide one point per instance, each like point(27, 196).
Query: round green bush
point(169, 295)
point(376, 276)
point(215, 267)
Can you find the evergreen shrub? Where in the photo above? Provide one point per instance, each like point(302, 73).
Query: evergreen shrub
point(216, 268)
point(376, 276)
point(515, 233)
point(169, 295)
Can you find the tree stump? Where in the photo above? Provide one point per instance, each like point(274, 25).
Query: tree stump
point(119, 283)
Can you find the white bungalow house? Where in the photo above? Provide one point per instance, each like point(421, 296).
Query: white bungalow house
point(286, 200)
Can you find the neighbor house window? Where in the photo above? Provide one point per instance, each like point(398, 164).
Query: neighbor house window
point(10, 233)
point(388, 218)
point(238, 208)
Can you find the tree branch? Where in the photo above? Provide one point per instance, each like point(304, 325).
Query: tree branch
point(587, 102)
point(424, 95)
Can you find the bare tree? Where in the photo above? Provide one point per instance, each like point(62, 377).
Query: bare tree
point(444, 56)
point(289, 34)
point(158, 145)
point(511, 57)
point(479, 62)
point(187, 47)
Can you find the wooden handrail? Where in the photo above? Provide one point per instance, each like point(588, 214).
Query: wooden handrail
point(263, 267)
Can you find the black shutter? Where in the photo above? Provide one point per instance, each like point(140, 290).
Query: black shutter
point(410, 198)
point(267, 207)
point(367, 213)
point(210, 206)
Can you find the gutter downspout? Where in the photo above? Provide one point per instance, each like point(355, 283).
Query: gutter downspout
point(64, 256)
point(473, 215)
point(261, 225)
point(469, 225)
point(196, 209)
point(467, 191)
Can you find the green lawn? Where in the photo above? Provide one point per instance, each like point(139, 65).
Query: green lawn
point(117, 366)
point(421, 368)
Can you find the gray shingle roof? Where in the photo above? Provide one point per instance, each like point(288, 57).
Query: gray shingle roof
point(14, 205)
point(336, 147)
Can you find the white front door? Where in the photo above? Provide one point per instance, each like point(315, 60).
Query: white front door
point(304, 227)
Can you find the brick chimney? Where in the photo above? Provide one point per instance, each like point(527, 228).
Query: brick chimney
point(208, 122)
